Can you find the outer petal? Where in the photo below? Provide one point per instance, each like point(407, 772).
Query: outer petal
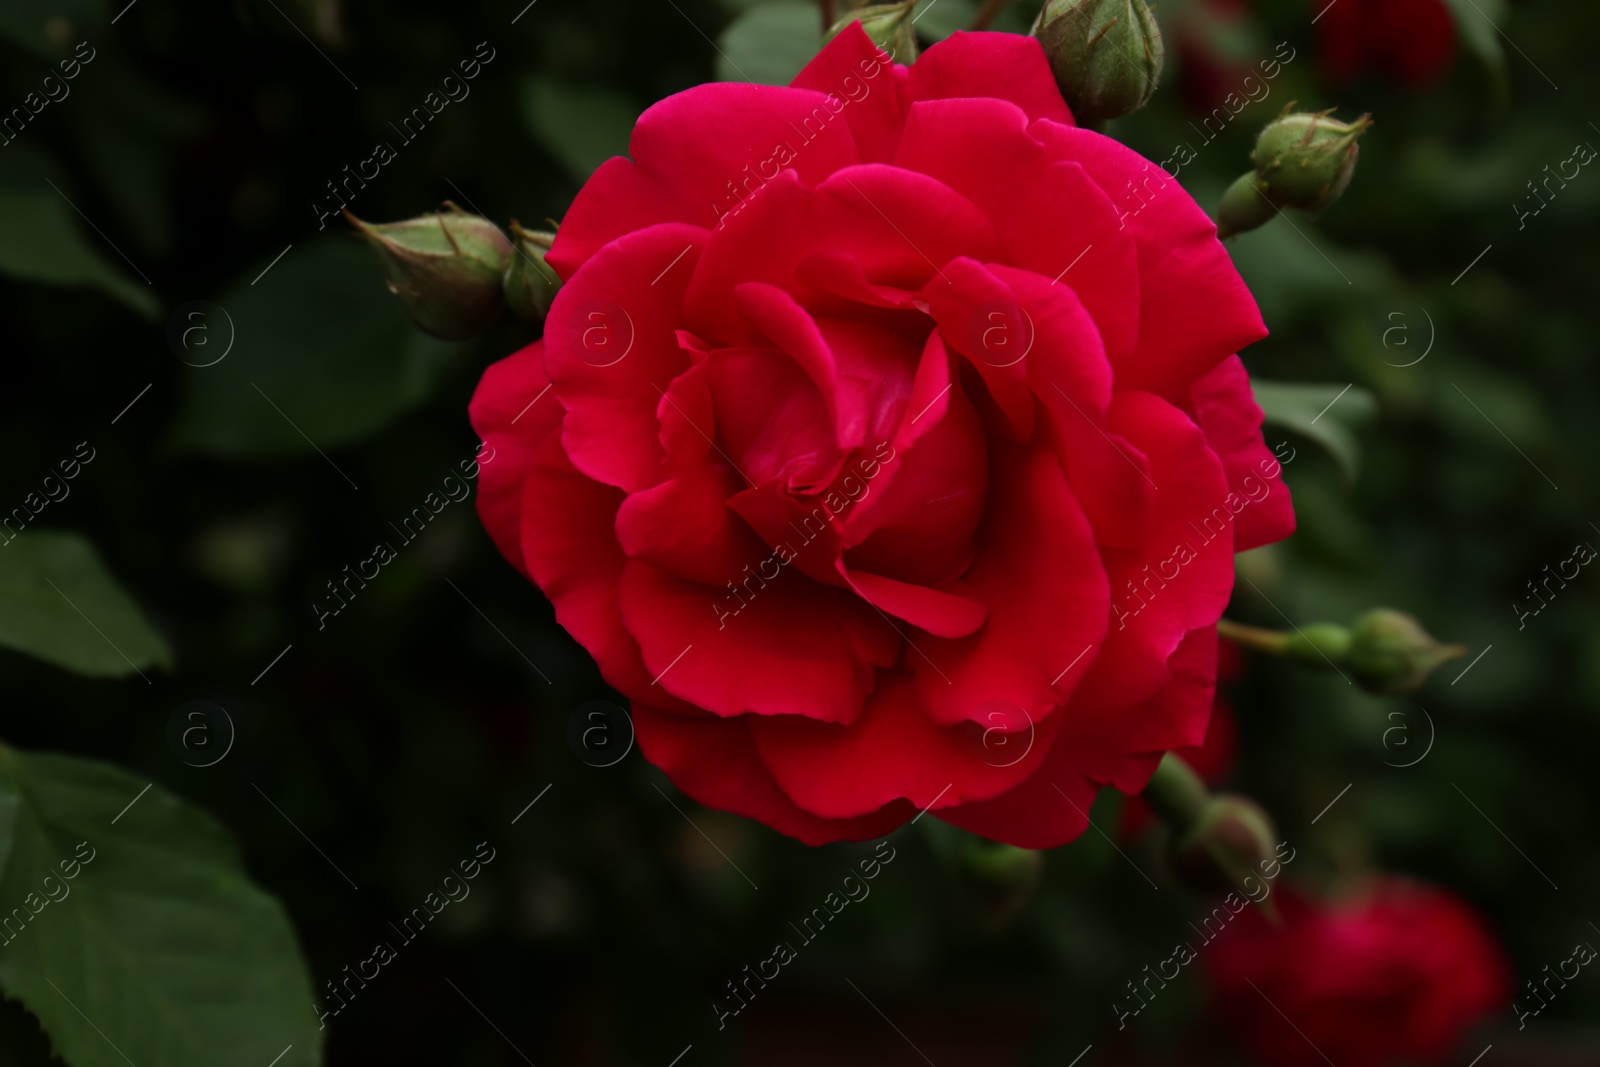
point(611, 348)
point(1054, 219)
point(1004, 65)
point(1052, 806)
point(714, 761)
point(1226, 410)
point(793, 648)
point(892, 751)
point(1195, 309)
point(1181, 576)
point(851, 68)
point(513, 412)
point(698, 155)
point(574, 557)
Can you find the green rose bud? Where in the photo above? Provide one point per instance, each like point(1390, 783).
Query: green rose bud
point(1000, 879)
point(1302, 160)
point(1391, 653)
point(1230, 843)
point(1244, 207)
point(889, 27)
point(1106, 55)
point(446, 268)
point(1306, 160)
point(1388, 651)
point(530, 283)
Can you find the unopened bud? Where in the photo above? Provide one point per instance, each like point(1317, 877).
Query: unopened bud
point(1000, 878)
point(888, 26)
point(446, 268)
point(1302, 160)
point(530, 282)
point(1230, 842)
point(1305, 160)
point(1391, 653)
point(1387, 651)
point(1106, 55)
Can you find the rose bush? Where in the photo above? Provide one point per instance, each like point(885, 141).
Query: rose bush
point(1396, 975)
point(887, 446)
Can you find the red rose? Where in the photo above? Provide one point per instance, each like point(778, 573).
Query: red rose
point(870, 400)
point(1397, 975)
point(1408, 41)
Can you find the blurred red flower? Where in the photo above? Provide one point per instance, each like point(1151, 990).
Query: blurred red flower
point(1397, 974)
point(1410, 42)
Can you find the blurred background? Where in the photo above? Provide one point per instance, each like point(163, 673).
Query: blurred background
point(182, 304)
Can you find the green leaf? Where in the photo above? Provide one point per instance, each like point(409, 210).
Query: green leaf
point(1324, 413)
point(582, 126)
point(44, 239)
point(59, 603)
point(769, 44)
point(51, 27)
point(129, 128)
point(322, 356)
point(158, 949)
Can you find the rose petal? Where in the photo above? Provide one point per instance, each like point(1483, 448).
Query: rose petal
point(699, 155)
point(851, 68)
point(781, 645)
point(611, 348)
point(513, 413)
point(1226, 410)
point(1008, 66)
point(714, 761)
point(1054, 219)
point(574, 557)
point(1038, 571)
point(1181, 577)
point(891, 752)
point(1195, 309)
